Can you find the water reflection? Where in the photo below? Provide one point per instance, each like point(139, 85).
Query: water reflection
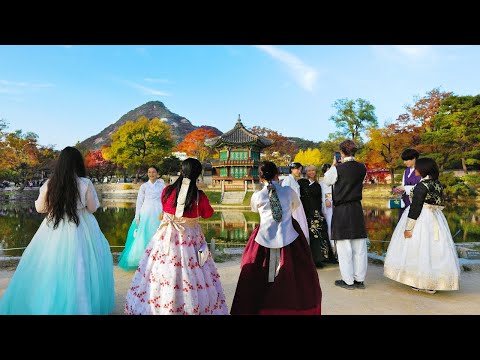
point(19, 221)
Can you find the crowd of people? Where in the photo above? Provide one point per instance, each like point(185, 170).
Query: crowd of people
point(304, 224)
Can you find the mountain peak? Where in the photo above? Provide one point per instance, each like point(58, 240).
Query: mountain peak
point(179, 125)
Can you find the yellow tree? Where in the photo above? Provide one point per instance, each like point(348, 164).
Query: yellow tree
point(137, 144)
point(309, 157)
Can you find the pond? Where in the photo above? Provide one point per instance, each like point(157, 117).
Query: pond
point(19, 221)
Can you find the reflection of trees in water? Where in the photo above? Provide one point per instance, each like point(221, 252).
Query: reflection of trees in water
point(380, 224)
point(18, 224)
point(19, 221)
point(115, 222)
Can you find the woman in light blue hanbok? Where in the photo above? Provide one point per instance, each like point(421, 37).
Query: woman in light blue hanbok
point(146, 221)
point(67, 268)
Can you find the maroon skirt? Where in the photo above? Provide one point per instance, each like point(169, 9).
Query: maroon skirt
point(296, 289)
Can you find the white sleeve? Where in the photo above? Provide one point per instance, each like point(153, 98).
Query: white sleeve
point(92, 199)
point(140, 199)
point(286, 182)
point(41, 202)
point(331, 176)
point(254, 202)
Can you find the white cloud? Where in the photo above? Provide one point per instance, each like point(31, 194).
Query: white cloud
point(153, 80)
point(303, 74)
point(20, 87)
point(417, 54)
point(147, 90)
point(24, 84)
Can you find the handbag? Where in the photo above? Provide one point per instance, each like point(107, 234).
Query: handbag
point(202, 254)
point(395, 203)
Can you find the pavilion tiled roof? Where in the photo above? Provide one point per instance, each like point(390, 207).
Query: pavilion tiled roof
point(239, 135)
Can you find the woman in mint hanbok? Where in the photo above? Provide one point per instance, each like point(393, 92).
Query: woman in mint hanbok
point(146, 221)
point(67, 268)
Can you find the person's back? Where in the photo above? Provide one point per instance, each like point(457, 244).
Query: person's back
point(349, 185)
point(67, 268)
point(348, 223)
point(177, 274)
point(269, 228)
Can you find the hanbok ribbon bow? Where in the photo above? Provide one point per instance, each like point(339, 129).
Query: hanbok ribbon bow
point(436, 227)
point(171, 221)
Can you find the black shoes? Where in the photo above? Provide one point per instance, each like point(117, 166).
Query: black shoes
point(344, 285)
point(358, 284)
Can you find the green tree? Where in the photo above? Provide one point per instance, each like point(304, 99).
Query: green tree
point(137, 144)
point(455, 131)
point(354, 117)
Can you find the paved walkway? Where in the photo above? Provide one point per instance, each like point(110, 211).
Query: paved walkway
point(382, 296)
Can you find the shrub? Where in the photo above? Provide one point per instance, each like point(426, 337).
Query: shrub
point(455, 187)
point(472, 179)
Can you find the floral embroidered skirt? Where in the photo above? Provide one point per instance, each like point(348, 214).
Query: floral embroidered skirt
point(295, 290)
point(169, 280)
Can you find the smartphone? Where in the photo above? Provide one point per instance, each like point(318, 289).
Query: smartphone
point(338, 157)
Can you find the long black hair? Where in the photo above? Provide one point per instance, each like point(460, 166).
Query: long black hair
point(191, 169)
point(62, 188)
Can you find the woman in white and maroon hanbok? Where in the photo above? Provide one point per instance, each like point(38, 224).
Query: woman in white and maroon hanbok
point(171, 277)
point(278, 275)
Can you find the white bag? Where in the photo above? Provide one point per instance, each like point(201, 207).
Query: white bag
point(202, 254)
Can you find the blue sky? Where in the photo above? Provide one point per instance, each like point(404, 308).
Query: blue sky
point(68, 93)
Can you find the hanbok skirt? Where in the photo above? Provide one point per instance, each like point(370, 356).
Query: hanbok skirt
point(427, 260)
point(63, 271)
point(299, 215)
point(169, 279)
point(294, 291)
point(139, 236)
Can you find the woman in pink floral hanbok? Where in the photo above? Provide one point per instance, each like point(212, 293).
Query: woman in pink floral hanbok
point(177, 275)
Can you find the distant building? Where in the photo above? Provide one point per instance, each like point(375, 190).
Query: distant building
point(239, 155)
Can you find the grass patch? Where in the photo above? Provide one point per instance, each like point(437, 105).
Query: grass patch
point(252, 216)
point(213, 196)
point(247, 198)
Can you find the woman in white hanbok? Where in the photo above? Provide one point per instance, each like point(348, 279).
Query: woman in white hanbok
point(299, 213)
point(422, 253)
point(146, 222)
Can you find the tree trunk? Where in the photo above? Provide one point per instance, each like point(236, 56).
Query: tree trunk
point(392, 174)
point(464, 166)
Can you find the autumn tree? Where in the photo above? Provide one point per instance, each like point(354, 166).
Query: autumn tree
point(354, 117)
point(96, 165)
point(386, 146)
point(194, 144)
point(282, 151)
point(19, 156)
point(137, 144)
point(309, 157)
point(455, 131)
point(417, 119)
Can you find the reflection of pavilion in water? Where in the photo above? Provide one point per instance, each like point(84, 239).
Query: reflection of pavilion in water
point(232, 227)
